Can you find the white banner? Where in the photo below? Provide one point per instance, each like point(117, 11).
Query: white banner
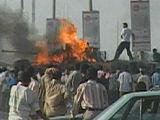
point(91, 28)
point(140, 23)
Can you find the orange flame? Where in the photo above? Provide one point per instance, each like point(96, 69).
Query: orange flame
point(75, 48)
point(68, 35)
point(42, 57)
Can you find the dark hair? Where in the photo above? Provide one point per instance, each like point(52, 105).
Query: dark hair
point(125, 68)
point(141, 86)
point(77, 66)
point(154, 50)
point(92, 73)
point(125, 24)
point(30, 71)
point(57, 75)
point(84, 67)
point(3, 69)
point(25, 77)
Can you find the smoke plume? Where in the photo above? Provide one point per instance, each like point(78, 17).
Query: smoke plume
point(15, 31)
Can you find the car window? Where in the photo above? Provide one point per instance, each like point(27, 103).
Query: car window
point(134, 112)
point(151, 109)
point(119, 115)
point(147, 108)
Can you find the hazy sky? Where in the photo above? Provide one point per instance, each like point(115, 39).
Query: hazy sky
point(112, 14)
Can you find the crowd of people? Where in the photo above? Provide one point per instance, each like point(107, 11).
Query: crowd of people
point(83, 88)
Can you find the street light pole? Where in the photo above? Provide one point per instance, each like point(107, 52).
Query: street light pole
point(22, 7)
point(90, 5)
point(54, 9)
point(5, 2)
point(33, 12)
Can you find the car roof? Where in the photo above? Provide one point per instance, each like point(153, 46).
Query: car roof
point(111, 110)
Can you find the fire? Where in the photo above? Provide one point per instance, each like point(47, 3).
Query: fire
point(75, 48)
point(42, 57)
point(68, 36)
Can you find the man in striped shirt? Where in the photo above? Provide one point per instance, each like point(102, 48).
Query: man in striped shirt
point(91, 95)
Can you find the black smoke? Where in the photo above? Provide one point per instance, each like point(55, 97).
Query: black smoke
point(16, 30)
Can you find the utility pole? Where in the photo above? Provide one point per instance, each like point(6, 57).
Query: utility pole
point(22, 7)
point(33, 12)
point(54, 9)
point(90, 5)
point(5, 3)
point(117, 32)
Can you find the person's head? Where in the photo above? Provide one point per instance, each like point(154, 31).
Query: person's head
point(125, 68)
point(92, 73)
point(154, 50)
point(30, 71)
point(141, 71)
point(66, 71)
point(84, 67)
point(57, 75)
point(118, 70)
point(25, 77)
point(100, 74)
point(125, 25)
point(3, 69)
point(77, 66)
point(140, 87)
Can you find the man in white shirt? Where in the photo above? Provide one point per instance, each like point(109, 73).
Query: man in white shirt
point(125, 82)
point(126, 35)
point(23, 100)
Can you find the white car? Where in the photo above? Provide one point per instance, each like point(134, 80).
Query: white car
point(134, 106)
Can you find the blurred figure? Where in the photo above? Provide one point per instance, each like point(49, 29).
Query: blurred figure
point(156, 55)
point(103, 78)
point(83, 70)
point(144, 78)
point(4, 90)
point(9, 81)
point(2, 78)
point(135, 77)
point(125, 81)
point(23, 100)
point(43, 83)
point(141, 86)
point(11, 78)
point(74, 79)
point(65, 76)
point(55, 96)
point(91, 95)
point(34, 84)
point(156, 78)
point(113, 87)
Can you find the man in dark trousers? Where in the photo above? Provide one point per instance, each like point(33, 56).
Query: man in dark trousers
point(126, 35)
